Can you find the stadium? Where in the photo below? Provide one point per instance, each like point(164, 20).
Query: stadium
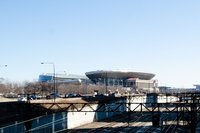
point(128, 79)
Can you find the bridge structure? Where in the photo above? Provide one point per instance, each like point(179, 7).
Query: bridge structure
point(166, 111)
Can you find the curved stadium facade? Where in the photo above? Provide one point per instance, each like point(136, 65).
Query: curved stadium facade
point(134, 80)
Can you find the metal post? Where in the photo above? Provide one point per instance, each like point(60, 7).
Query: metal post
point(193, 114)
point(106, 83)
point(54, 81)
point(129, 109)
point(54, 77)
point(53, 123)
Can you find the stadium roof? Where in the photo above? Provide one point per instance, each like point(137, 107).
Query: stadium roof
point(119, 74)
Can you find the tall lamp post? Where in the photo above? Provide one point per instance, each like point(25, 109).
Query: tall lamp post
point(54, 77)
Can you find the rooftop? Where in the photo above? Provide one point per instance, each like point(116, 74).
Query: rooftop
point(119, 74)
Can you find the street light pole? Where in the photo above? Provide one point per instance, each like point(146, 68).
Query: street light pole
point(54, 77)
point(106, 83)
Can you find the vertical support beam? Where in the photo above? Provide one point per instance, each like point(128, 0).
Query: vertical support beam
point(193, 114)
point(129, 110)
point(106, 83)
point(53, 123)
point(177, 114)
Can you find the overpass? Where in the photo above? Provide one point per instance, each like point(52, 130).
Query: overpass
point(65, 114)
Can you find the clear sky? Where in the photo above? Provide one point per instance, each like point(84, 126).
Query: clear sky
point(156, 36)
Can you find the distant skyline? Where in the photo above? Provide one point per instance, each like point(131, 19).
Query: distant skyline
point(160, 37)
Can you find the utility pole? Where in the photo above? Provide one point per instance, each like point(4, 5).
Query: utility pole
point(54, 78)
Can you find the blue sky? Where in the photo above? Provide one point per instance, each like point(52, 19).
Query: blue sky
point(161, 37)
